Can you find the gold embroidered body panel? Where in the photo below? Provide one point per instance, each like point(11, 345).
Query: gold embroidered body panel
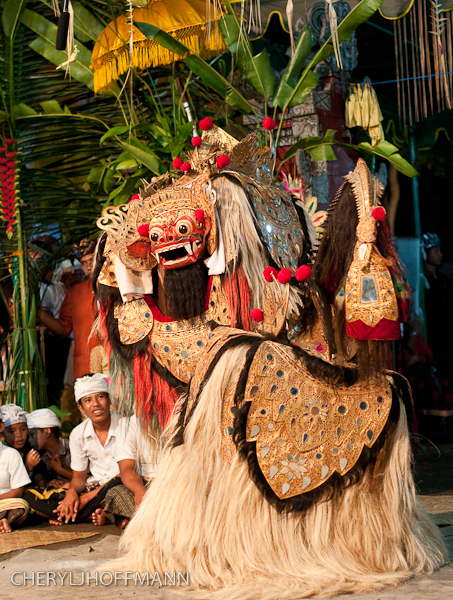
point(217, 340)
point(306, 429)
point(135, 321)
point(369, 292)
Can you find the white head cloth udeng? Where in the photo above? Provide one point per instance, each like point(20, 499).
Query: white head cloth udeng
point(90, 384)
point(42, 418)
point(11, 414)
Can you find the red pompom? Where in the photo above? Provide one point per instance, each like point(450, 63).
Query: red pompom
point(257, 315)
point(143, 230)
point(205, 124)
point(199, 215)
point(196, 141)
point(268, 272)
point(378, 213)
point(177, 162)
point(135, 197)
point(223, 161)
point(269, 123)
point(303, 273)
point(185, 167)
point(284, 275)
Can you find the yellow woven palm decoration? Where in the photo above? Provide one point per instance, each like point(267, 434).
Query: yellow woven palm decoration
point(186, 20)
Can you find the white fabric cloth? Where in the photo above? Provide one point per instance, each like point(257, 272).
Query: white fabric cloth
point(216, 263)
point(52, 296)
point(13, 473)
point(132, 284)
point(11, 414)
point(90, 384)
point(87, 452)
point(133, 444)
point(42, 418)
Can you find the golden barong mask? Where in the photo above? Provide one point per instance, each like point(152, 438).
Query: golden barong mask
point(178, 237)
point(172, 226)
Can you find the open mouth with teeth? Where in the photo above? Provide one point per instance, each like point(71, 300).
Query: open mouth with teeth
point(181, 254)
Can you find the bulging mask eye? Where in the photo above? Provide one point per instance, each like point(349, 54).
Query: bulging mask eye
point(154, 237)
point(183, 229)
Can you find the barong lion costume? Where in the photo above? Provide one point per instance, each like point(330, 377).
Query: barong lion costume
point(185, 253)
point(288, 469)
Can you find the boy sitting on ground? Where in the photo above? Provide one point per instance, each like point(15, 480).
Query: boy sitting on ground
point(15, 435)
point(44, 435)
point(13, 478)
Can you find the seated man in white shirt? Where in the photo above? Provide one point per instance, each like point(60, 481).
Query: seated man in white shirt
point(137, 454)
point(92, 446)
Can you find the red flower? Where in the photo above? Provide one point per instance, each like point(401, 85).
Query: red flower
point(185, 167)
point(135, 197)
point(269, 123)
point(223, 161)
point(284, 275)
point(3, 160)
point(196, 141)
point(143, 230)
point(11, 154)
point(205, 124)
point(257, 315)
point(268, 272)
point(199, 215)
point(10, 140)
point(303, 273)
point(378, 213)
point(177, 162)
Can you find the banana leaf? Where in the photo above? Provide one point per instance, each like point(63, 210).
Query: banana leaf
point(256, 69)
point(289, 78)
point(45, 45)
point(199, 66)
point(321, 149)
point(11, 15)
point(358, 15)
point(144, 155)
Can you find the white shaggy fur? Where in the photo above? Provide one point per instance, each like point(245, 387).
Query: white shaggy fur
point(204, 516)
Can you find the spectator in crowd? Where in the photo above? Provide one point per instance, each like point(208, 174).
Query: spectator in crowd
point(13, 478)
point(137, 455)
point(44, 435)
point(78, 313)
point(56, 346)
point(15, 434)
point(92, 446)
point(439, 324)
point(438, 304)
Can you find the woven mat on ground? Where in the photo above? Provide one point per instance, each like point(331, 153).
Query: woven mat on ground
point(29, 538)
